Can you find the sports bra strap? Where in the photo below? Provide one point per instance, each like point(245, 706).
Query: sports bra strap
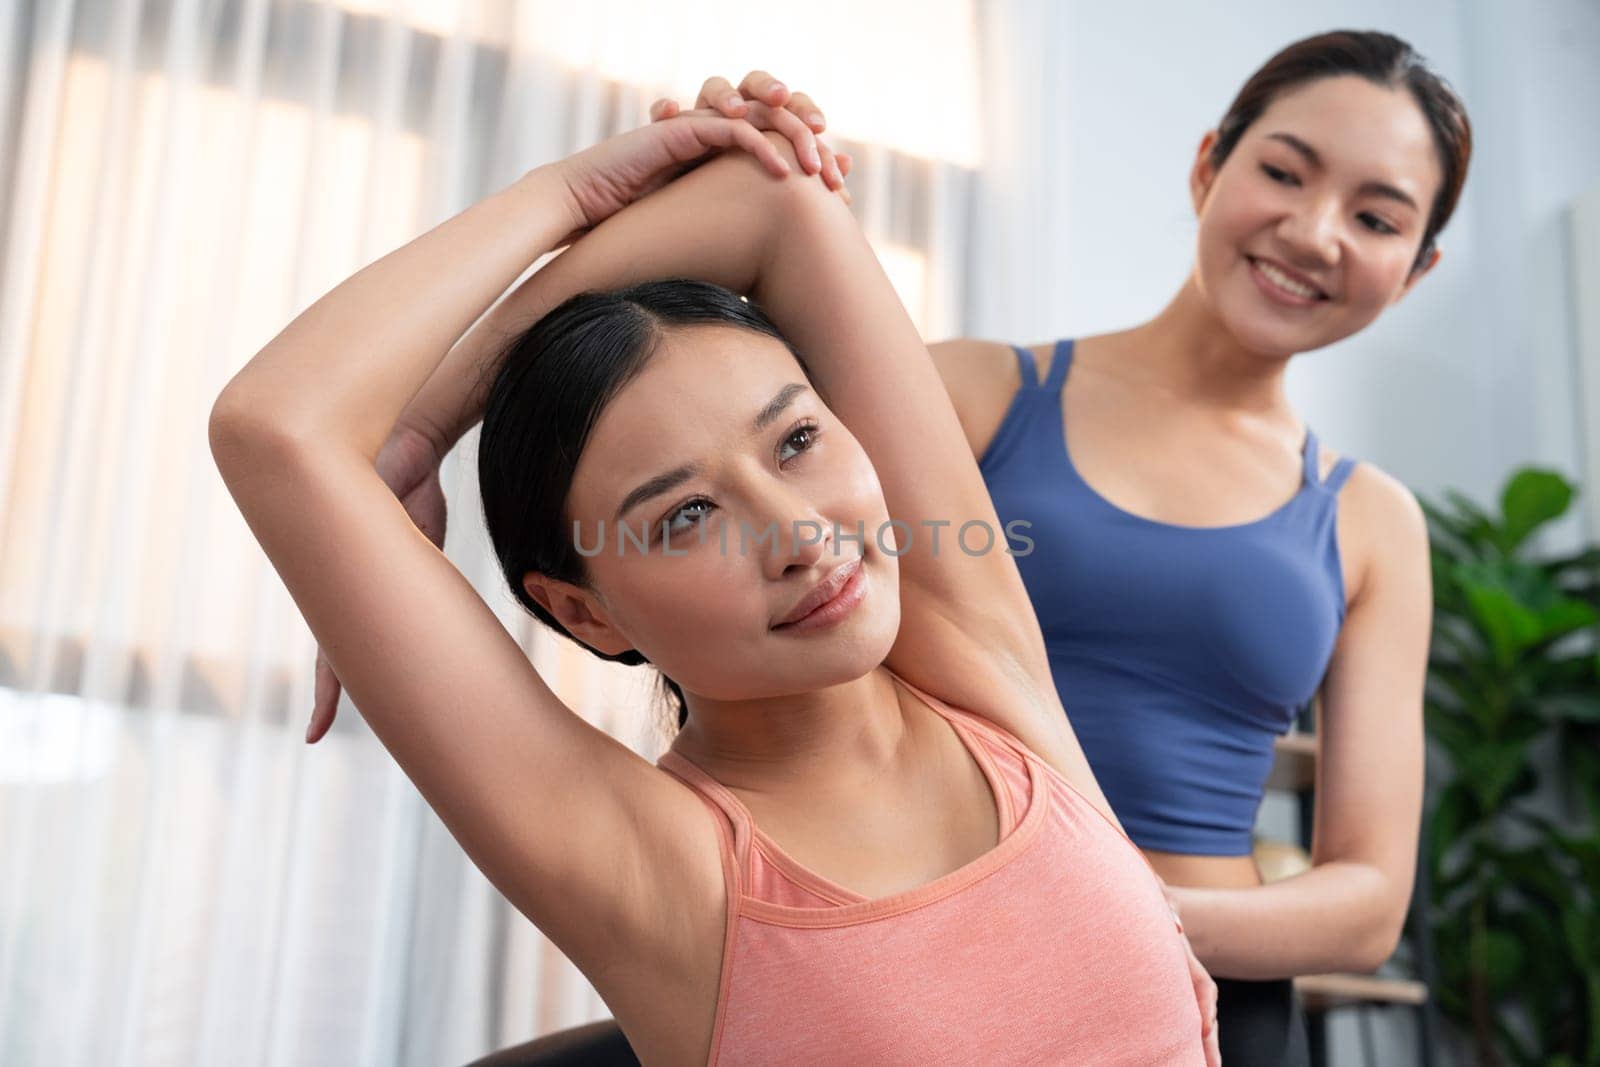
point(1312, 465)
point(1059, 359)
point(1340, 473)
point(1025, 367)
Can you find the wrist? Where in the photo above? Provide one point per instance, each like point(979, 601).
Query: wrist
point(552, 183)
point(426, 433)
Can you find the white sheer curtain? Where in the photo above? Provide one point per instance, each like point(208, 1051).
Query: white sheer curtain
point(182, 881)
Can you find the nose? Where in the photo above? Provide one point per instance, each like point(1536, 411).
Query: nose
point(1310, 235)
point(796, 536)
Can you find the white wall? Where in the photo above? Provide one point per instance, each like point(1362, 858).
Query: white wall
point(1083, 224)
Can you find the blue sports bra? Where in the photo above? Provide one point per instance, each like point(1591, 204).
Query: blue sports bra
point(1179, 652)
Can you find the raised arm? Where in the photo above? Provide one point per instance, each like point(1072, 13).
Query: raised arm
point(614, 860)
point(968, 632)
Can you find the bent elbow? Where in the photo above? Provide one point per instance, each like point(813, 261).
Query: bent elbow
point(240, 434)
point(1375, 949)
point(227, 429)
point(1375, 954)
point(235, 429)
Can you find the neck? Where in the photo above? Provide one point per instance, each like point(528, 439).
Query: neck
point(1188, 351)
point(845, 730)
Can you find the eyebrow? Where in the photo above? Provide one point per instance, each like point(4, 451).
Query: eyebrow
point(776, 406)
point(1309, 154)
point(670, 480)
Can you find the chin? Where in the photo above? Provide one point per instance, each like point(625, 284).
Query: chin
point(1272, 341)
point(1273, 335)
point(851, 651)
point(785, 666)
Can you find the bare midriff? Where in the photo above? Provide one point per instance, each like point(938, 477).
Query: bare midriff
point(1208, 872)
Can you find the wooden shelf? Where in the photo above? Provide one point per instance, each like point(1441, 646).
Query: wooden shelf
point(1321, 992)
point(1294, 763)
point(1277, 860)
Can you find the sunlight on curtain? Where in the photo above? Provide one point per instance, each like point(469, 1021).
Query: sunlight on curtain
point(899, 74)
point(181, 879)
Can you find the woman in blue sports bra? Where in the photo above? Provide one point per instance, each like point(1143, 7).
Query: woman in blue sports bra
point(1201, 566)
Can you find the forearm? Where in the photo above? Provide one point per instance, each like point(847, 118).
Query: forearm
point(1337, 916)
point(716, 224)
point(349, 365)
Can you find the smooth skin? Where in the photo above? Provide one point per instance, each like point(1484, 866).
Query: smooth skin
point(614, 859)
point(1184, 419)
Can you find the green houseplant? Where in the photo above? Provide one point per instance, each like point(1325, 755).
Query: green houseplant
point(1513, 721)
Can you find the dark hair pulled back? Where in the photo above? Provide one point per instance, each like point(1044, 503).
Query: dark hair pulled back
point(1385, 60)
point(554, 381)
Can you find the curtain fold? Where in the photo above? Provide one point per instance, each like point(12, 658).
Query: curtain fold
point(182, 880)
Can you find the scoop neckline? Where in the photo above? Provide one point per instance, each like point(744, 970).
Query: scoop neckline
point(1100, 498)
point(854, 907)
point(1066, 352)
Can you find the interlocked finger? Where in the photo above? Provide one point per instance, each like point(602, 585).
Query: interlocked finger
point(786, 122)
point(719, 95)
point(802, 105)
point(759, 85)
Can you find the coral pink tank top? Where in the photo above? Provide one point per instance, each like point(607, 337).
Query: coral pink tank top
point(1055, 947)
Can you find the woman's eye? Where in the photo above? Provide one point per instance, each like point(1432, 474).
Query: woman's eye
point(1281, 176)
point(687, 516)
point(1376, 225)
point(800, 439)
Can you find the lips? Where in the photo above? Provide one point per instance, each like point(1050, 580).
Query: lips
point(1271, 266)
point(822, 592)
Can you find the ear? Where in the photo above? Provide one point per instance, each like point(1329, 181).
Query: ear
point(1416, 275)
point(1202, 173)
point(577, 609)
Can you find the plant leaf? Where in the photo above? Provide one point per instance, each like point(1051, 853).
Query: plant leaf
point(1503, 960)
point(1576, 706)
point(1491, 768)
point(1530, 499)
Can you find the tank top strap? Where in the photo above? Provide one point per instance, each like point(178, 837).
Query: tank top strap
point(1060, 359)
point(1025, 367)
point(1340, 474)
point(983, 739)
point(1313, 466)
point(1311, 459)
point(723, 803)
point(1028, 368)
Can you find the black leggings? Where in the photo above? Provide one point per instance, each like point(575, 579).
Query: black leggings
point(1261, 1024)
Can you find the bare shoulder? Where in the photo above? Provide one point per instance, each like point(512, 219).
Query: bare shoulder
point(981, 378)
point(1382, 523)
point(1377, 488)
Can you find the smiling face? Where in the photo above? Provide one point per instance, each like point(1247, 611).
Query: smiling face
point(1311, 226)
point(720, 436)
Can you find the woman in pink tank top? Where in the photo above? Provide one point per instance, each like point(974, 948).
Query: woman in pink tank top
point(875, 839)
point(1053, 947)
